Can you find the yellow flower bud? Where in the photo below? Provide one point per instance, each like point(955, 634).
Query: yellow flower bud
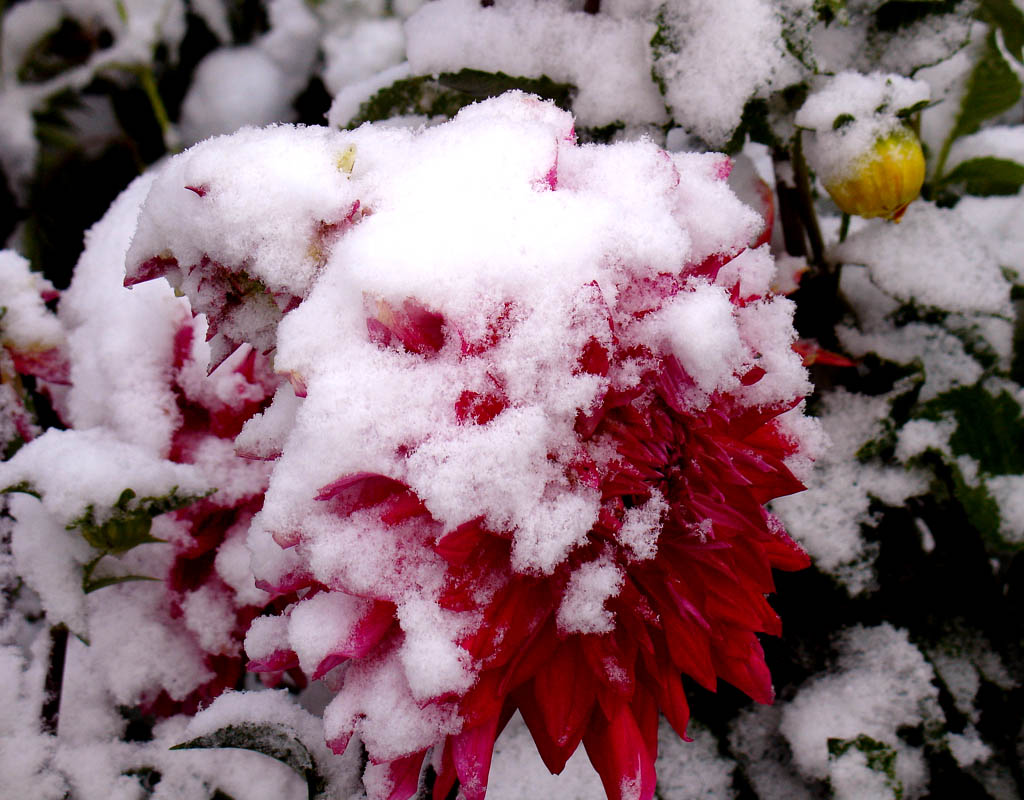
point(885, 180)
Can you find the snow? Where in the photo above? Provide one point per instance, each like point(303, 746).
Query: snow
point(721, 56)
point(26, 753)
point(999, 141)
point(235, 87)
point(881, 683)
point(692, 770)
point(360, 51)
point(967, 748)
point(955, 260)
point(1008, 491)
point(827, 519)
point(120, 382)
point(26, 324)
point(76, 469)
point(582, 609)
point(253, 84)
point(517, 770)
point(604, 55)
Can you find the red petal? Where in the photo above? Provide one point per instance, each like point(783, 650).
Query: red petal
point(594, 359)
point(447, 776)
point(645, 712)
point(472, 750)
point(551, 752)
point(480, 408)
point(456, 546)
point(357, 491)
point(565, 693)
point(404, 775)
point(616, 749)
point(690, 648)
point(739, 659)
point(155, 267)
point(51, 365)
point(668, 689)
point(366, 634)
point(278, 661)
point(532, 655)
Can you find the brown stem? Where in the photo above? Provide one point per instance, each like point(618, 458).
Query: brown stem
point(808, 216)
point(54, 679)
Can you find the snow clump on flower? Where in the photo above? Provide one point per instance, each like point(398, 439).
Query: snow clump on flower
point(539, 393)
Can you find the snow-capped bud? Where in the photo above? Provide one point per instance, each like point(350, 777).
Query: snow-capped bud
point(883, 181)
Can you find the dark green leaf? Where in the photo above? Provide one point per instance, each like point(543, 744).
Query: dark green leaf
point(445, 95)
point(988, 176)
point(422, 95)
point(602, 134)
point(989, 428)
point(882, 446)
point(480, 85)
point(126, 496)
point(276, 741)
point(981, 509)
point(756, 122)
point(24, 487)
point(842, 121)
point(1008, 17)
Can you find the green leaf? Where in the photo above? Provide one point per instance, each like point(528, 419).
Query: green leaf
point(422, 95)
point(920, 105)
point(987, 176)
point(127, 526)
point(981, 509)
point(276, 741)
point(129, 523)
point(24, 487)
point(480, 85)
point(1008, 18)
point(664, 42)
point(447, 93)
point(989, 429)
point(92, 585)
point(991, 89)
point(880, 757)
point(10, 447)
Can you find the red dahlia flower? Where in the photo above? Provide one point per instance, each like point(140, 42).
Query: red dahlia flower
point(542, 393)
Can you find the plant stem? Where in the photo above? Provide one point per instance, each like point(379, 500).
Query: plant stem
point(808, 216)
point(159, 110)
point(54, 679)
point(844, 227)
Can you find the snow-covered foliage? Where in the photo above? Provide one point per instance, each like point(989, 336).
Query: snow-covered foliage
point(463, 423)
